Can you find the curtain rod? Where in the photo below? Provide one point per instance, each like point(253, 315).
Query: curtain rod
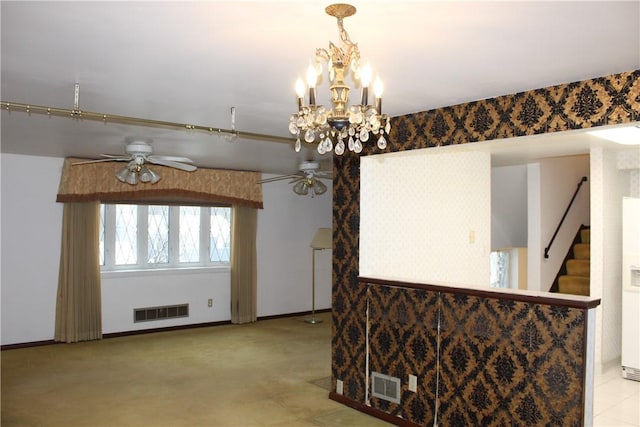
point(114, 118)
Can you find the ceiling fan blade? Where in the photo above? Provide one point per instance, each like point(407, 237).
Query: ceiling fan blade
point(170, 159)
point(114, 156)
point(113, 159)
point(278, 178)
point(171, 164)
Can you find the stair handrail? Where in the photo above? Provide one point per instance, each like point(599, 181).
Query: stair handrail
point(546, 250)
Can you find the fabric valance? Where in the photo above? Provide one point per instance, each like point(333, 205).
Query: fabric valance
point(97, 181)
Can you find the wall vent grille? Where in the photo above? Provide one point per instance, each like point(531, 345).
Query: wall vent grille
point(385, 387)
point(160, 313)
point(631, 373)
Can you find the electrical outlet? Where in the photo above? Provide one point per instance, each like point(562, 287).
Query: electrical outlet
point(210, 302)
point(413, 383)
point(339, 386)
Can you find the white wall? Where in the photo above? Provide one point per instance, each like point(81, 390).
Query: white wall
point(535, 246)
point(425, 216)
point(628, 162)
point(122, 292)
point(509, 207)
point(30, 241)
point(286, 227)
point(609, 185)
point(551, 184)
point(30, 238)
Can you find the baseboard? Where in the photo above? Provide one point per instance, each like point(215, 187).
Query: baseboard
point(376, 413)
point(27, 344)
point(154, 330)
point(165, 329)
point(298, 314)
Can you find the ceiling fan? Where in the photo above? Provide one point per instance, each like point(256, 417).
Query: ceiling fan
point(139, 154)
point(307, 180)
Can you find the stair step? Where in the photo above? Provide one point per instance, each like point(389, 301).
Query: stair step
point(582, 251)
point(585, 235)
point(576, 285)
point(578, 267)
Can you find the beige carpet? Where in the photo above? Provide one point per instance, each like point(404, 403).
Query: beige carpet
point(271, 373)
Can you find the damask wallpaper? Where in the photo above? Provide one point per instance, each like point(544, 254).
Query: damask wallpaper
point(601, 101)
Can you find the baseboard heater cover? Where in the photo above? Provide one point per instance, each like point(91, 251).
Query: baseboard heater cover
point(385, 387)
point(631, 373)
point(147, 314)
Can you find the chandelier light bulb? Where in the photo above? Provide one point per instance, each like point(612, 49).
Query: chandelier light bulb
point(365, 75)
point(300, 89)
point(312, 77)
point(365, 80)
point(378, 88)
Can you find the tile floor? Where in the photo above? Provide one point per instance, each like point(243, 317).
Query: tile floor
point(616, 400)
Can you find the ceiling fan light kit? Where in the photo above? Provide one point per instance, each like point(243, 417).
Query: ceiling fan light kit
point(139, 154)
point(307, 181)
point(356, 124)
point(309, 185)
point(132, 172)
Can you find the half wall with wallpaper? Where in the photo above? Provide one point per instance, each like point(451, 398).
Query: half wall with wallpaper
point(602, 101)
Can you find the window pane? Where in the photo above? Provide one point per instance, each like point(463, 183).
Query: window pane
point(499, 269)
point(126, 250)
point(158, 235)
point(189, 234)
point(220, 237)
point(101, 244)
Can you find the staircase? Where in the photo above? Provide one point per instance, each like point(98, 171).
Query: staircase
point(574, 274)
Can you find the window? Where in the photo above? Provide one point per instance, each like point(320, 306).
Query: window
point(499, 269)
point(134, 237)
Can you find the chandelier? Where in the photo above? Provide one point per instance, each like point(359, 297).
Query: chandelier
point(353, 125)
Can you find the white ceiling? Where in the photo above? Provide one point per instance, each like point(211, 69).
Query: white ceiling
point(190, 62)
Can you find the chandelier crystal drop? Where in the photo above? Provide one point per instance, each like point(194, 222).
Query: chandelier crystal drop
point(342, 127)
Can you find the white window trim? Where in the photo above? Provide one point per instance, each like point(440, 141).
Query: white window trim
point(155, 271)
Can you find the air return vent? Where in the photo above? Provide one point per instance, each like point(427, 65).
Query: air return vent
point(631, 373)
point(385, 387)
point(160, 313)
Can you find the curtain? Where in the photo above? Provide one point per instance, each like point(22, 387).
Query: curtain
point(78, 307)
point(244, 224)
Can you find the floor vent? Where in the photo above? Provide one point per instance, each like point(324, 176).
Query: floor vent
point(385, 387)
point(160, 313)
point(631, 373)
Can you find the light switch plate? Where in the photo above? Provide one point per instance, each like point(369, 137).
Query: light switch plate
point(413, 383)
